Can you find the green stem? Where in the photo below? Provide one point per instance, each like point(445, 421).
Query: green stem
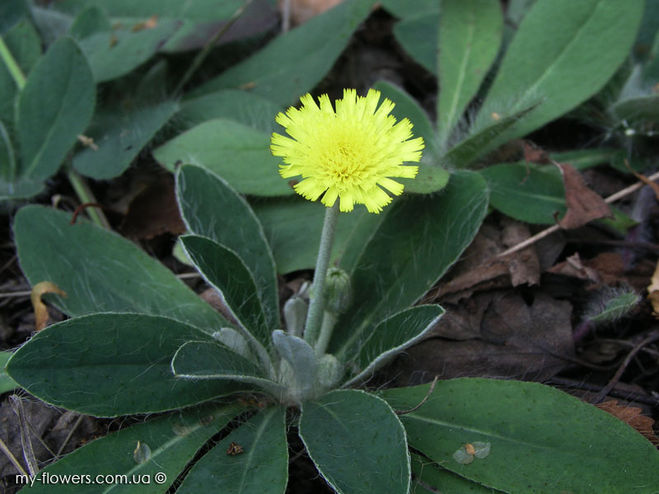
point(12, 65)
point(86, 196)
point(329, 321)
point(317, 299)
point(201, 56)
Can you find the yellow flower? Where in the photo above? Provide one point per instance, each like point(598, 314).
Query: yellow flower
point(351, 154)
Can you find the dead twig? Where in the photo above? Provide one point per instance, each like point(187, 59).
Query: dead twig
point(5, 449)
point(616, 393)
point(652, 337)
point(26, 443)
point(554, 228)
point(69, 435)
point(425, 398)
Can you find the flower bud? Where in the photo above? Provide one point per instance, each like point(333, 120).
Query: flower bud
point(295, 313)
point(330, 371)
point(338, 291)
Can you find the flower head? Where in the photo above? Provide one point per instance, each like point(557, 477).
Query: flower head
point(350, 154)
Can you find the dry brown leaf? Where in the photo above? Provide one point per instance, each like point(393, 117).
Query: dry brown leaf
point(575, 268)
point(583, 204)
point(40, 310)
point(480, 270)
point(534, 154)
point(645, 180)
point(153, 211)
point(493, 334)
point(653, 292)
point(303, 10)
point(633, 417)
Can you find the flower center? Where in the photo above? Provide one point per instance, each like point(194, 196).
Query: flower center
point(345, 162)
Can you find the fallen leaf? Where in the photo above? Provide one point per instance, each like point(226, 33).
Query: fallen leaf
point(481, 270)
point(153, 211)
point(632, 416)
point(303, 10)
point(524, 265)
point(492, 334)
point(653, 185)
point(534, 154)
point(583, 204)
point(607, 268)
point(653, 292)
point(40, 310)
point(575, 268)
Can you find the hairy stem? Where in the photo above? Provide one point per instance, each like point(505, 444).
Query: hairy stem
point(317, 299)
point(329, 320)
point(86, 197)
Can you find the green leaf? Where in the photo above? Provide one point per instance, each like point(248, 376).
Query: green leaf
point(197, 360)
point(120, 136)
point(211, 208)
point(6, 382)
point(197, 19)
point(431, 178)
point(392, 336)
point(296, 248)
point(647, 33)
point(475, 144)
point(301, 358)
point(112, 364)
point(230, 104)
point(469, 39)
point(560, 58)
point(51, 23)
point(357, 443)
point(169, 441)
point(7, 158)
point(24, 44)
point(296, 61)
point(417, 35)
point(200, 10)
point(259, 466)
point(12, 12)
point(227, 273)
point(582, 159)
point(54, 107)
point(407, 107)
point(403, 9)
point(430, 478)
point(615, 307)
point(101, 271)
point(92, 20)
point(637, 109)
point(416, 243)
point(114, 53)
point(519, 420)
point(526, 192)
point(240, 154)
point(23, 188)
